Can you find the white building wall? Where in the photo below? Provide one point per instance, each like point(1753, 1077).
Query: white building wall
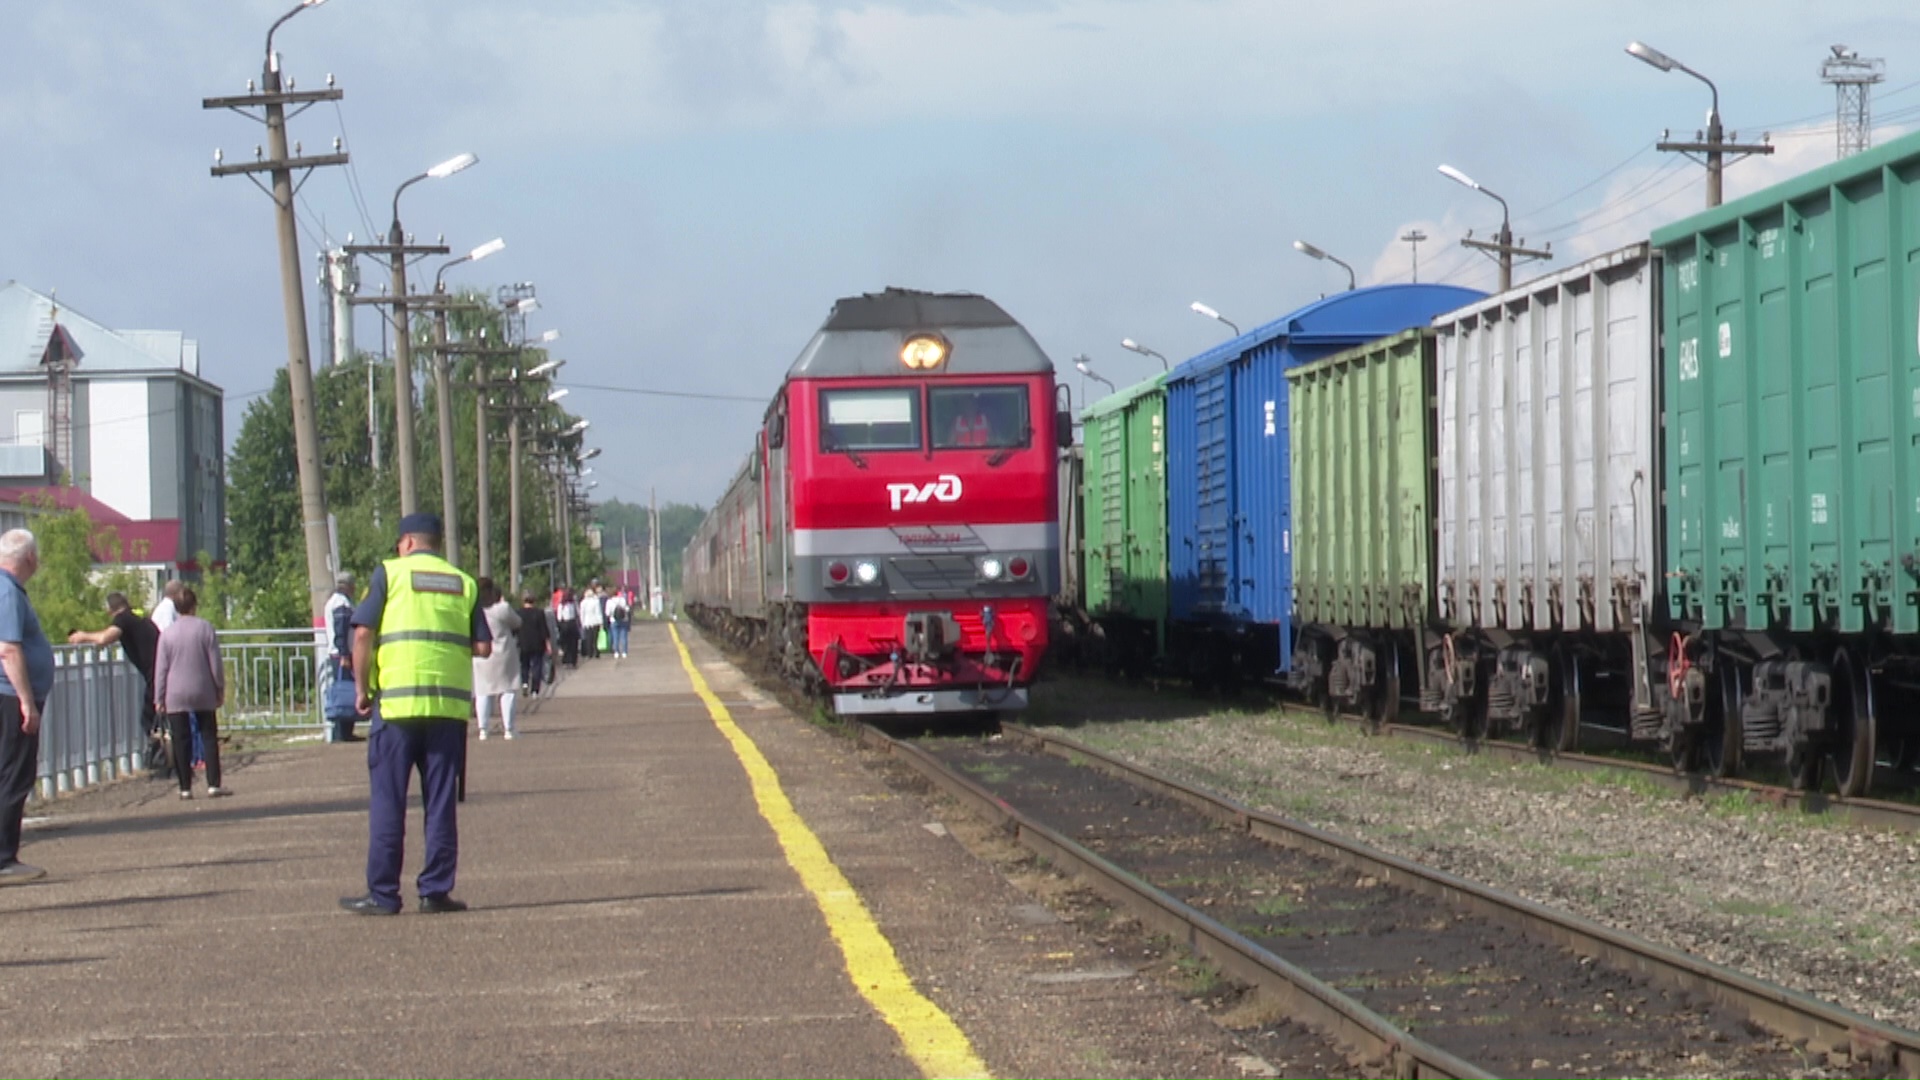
point(121, 446)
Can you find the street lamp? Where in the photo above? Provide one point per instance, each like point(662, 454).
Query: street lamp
point(1086, 368)
point(1312, 252)
point(589, 455)
point(273, 67)
point(557, 393)
point(546, 367)
point(1133, 346)
point(403, 344)
point(1202, 309)
point(1503, 246)
point(443, 396)
point(579, 426)
point(306, 437)
point(1716, 144)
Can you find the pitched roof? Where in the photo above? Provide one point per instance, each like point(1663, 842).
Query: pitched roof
point(156, 541)
point(28, 318)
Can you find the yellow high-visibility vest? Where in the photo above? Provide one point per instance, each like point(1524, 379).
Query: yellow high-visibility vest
point(423, 658)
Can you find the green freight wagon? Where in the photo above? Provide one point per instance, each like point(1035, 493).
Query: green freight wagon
point(1792, 461)
point(1124, 511)
point(1362, 520)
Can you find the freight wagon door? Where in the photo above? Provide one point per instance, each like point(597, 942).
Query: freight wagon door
point(1112, 479)
point(1098, 496)
point(1214, 539)
point(1262, 588)
point(1146, 512)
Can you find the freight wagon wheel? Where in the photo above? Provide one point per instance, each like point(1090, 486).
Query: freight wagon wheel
point(1720, 743)
point(1386, 696)
point(1852, 752)
point(1559, 728)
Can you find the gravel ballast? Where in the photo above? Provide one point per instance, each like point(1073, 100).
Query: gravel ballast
point(1827, 909)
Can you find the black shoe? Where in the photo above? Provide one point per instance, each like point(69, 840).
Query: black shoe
point(441, 905)
point(367, 905)
point(353, 738)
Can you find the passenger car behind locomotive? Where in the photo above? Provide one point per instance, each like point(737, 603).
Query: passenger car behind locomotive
point(894, 537)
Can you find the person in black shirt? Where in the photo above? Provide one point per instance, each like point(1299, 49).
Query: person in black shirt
point(139, 638)
point(536, 643)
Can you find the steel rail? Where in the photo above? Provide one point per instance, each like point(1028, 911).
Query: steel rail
point(1823, 1026)
point(1369, 1038)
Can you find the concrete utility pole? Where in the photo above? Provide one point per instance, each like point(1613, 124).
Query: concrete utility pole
point(443, 397)
point(399, 250)
point(273, 99)
point(1717, 144)
point(1414, 238)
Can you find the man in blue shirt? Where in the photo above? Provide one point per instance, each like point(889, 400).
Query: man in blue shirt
point(26, 662)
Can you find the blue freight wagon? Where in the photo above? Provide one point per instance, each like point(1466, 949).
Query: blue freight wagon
point(1228, 484)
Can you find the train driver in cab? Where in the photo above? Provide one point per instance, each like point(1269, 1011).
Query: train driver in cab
point(971, 425)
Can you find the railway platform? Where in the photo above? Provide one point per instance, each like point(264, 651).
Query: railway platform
point(669, 873)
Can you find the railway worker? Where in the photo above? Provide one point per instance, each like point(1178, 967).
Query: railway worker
point(415, 634)
point(26, 680)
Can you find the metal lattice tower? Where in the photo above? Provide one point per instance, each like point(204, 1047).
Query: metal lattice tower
point(1852, 78)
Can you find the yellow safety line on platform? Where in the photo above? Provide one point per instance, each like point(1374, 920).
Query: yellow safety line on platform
point(931, 1038)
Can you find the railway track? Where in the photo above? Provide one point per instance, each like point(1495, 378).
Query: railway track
point(1413, 971)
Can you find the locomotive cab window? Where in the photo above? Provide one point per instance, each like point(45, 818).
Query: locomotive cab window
point(969, 417)
point(864, 420)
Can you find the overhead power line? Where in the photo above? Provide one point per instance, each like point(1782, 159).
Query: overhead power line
point(667, 393)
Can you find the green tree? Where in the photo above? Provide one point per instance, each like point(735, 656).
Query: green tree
point(63, 591)
point(267, 584)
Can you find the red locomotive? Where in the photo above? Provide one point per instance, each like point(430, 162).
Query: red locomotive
point(894, 537)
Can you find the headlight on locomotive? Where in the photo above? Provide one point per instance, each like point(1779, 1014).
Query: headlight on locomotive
point(924, 352)
point(991, 568)
point(866, 572)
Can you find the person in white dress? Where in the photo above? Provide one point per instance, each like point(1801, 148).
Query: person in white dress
point(496, 678)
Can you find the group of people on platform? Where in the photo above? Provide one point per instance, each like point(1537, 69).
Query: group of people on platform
point(177, 655)
point(596, 622)
point(422, 649)
point(173, 649)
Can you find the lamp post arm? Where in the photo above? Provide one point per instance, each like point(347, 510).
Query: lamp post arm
point(396, 197)
point(1352, 282)
point(1714, 90)
point(298, 8)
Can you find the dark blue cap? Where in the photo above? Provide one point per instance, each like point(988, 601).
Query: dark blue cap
point(422, 523)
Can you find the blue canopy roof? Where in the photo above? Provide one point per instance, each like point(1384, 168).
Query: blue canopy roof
point(1338, 321)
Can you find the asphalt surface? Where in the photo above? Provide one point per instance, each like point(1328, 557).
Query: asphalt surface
point(632, 915)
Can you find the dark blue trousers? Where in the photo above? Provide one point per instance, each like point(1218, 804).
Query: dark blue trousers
point(19, 761)
point(394, 752)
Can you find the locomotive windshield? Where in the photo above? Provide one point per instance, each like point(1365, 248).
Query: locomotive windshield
point(877, 419)
point(978, 416)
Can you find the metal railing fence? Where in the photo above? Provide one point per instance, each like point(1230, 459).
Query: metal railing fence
point(92, 732)
point(91, 729)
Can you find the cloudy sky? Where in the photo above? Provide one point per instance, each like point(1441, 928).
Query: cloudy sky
point(691, 183)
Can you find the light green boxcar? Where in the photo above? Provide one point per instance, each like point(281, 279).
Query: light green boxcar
point(1363, 485)
point(1124, 503)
